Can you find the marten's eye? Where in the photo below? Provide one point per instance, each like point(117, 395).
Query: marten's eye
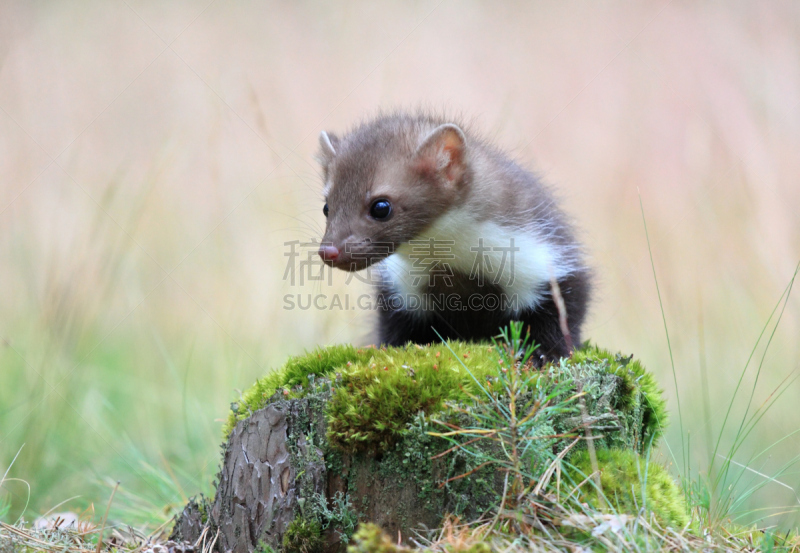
point(325, 210)
point(380, 209)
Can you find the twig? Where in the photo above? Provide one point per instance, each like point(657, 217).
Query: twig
point(213, 542)
point(561, 307)
point(105, 517)
point(460, 476)
point(491, 526)
point(592, 453)
point(157, 532)
point(457, 446)
point(201, 537)
point(23, 534)
point(548, 474)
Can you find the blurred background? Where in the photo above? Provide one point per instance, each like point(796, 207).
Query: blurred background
point(156, 157)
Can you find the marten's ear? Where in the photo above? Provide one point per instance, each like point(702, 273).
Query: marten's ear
point(327, 147)
point(443, 153)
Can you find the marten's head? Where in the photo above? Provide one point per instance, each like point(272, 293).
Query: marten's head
point(385, 183)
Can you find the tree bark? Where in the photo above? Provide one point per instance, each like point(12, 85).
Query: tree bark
point(278, 468)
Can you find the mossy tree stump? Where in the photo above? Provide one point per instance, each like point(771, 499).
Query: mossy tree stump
point(342, 436)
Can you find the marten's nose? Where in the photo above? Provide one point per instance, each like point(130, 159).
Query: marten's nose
point(328, 252)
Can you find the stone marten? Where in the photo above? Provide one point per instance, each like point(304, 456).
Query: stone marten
point(464, 240)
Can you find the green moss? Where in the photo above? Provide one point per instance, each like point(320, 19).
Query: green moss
point(432, 371)
point(377, 398)
point(264, 547)
point(409, 481)
point(370, 539)
point(635, 378)
point(477, 547)
point(303, 536)
point(339, 514)
point(377, 392)
point(296, 372)
point(622, 473)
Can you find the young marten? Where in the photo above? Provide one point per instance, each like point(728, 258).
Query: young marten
point(464, 239)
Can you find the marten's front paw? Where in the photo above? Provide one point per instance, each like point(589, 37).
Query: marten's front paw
point(540, 359)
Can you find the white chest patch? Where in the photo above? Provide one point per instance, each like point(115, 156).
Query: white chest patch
point(518, 261)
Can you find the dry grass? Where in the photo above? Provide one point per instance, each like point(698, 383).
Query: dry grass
point(556, 529)
point(20, 538)
point(562, 530)
point(154, 158)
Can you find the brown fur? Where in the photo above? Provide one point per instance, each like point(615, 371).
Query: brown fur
point(425, 167)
